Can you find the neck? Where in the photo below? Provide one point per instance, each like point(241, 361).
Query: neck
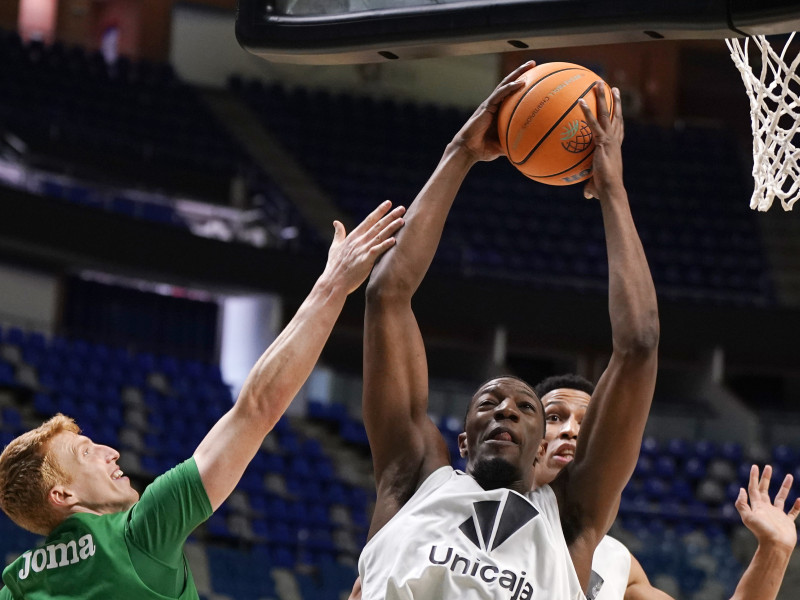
point(496, 473)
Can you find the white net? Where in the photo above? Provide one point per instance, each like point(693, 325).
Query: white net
point(775, 119)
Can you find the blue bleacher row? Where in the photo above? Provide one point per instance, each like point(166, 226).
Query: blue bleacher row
point(675, 480)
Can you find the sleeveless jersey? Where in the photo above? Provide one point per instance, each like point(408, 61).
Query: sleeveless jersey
point(136, 554)
point(455, 540)
point(611, 566)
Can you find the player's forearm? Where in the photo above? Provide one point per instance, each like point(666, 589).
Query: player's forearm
point(284, 367)
point(763, 577)
point(417, 242)
point(633, 308)
point(606, 454)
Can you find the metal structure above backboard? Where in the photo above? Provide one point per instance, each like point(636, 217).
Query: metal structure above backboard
point(364, 31)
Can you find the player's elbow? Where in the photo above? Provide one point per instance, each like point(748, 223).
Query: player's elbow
point(642, 339)
point(387, 287)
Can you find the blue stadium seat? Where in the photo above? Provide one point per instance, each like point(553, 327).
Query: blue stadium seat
point(655, 488)
point(665, 467)
point(7, 374)
point(11, 419)
point(784, 455)
point(44, 404)
point(694, 468)
point(678, 448)
point(650, 447)
point(705, 450)
point(644, 466)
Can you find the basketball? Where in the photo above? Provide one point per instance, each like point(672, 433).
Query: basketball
point(542, 128)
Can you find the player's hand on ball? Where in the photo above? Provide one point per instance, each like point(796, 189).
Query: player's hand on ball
point(479, 134)
point(608, 134)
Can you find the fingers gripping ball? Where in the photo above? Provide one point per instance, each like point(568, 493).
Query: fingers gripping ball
point(542, 127)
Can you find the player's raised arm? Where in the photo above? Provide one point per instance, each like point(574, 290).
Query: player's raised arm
point(406, 446)
point(280, 372)
point(611, 433)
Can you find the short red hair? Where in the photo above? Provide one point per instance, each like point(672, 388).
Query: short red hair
point(28, 472)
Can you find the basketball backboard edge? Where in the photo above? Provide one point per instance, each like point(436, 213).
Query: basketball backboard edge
point(460, 28)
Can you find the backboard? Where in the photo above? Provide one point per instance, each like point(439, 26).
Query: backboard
point(363, 31)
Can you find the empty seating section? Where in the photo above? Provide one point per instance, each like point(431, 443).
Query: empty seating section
point(686, 186)
point(130, 120)
point(129, 137)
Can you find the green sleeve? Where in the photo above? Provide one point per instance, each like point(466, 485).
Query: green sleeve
point(5, 594)
point(169, 510)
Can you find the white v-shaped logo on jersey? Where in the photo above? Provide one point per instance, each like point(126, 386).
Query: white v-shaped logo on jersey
point(494, 521)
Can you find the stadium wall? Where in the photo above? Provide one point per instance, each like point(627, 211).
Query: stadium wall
point(205, 52)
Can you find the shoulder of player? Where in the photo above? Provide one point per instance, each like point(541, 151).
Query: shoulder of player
point(611, 542)
point(409, 469)
point(401, 485)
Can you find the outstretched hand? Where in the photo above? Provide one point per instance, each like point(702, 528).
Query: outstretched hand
point(608, 134)
point(767, 520)
point(479, 133)
point(351, 257)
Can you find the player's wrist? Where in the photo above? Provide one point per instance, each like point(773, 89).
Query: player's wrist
point(460, 150)
point(613, 190)
point(331, 285)
point(777, 547)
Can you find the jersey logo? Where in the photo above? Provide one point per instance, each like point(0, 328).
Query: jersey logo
point(595, 584)
point(491, 524)
point(494, 521)
point(53, 556)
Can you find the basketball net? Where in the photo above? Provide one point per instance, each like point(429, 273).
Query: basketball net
point(775, 119)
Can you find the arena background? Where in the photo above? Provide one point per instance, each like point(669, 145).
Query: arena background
point(166, 201)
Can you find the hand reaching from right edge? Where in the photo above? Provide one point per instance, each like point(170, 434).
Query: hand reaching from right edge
point(767, 520)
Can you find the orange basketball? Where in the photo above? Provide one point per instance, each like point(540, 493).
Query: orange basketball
point(542, 127)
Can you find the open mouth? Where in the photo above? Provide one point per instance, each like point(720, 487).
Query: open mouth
point(565, 454)
point(117, 474)
point(501, 434)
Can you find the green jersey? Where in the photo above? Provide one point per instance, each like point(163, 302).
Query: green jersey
point(132, 555)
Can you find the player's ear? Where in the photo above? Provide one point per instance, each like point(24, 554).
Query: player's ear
point(462, 444)
point(61, 496)
point(540, 452)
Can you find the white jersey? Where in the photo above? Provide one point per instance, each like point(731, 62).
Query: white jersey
point(455, 540)
point(611, 567)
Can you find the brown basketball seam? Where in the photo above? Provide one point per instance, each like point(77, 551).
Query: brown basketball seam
point(564, 171)
point(549, 131)
point(610, 116)
point(516, 106)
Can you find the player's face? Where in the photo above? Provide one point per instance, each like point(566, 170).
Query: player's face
point(564, 410)
point(505, 422)
point(97, 484)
